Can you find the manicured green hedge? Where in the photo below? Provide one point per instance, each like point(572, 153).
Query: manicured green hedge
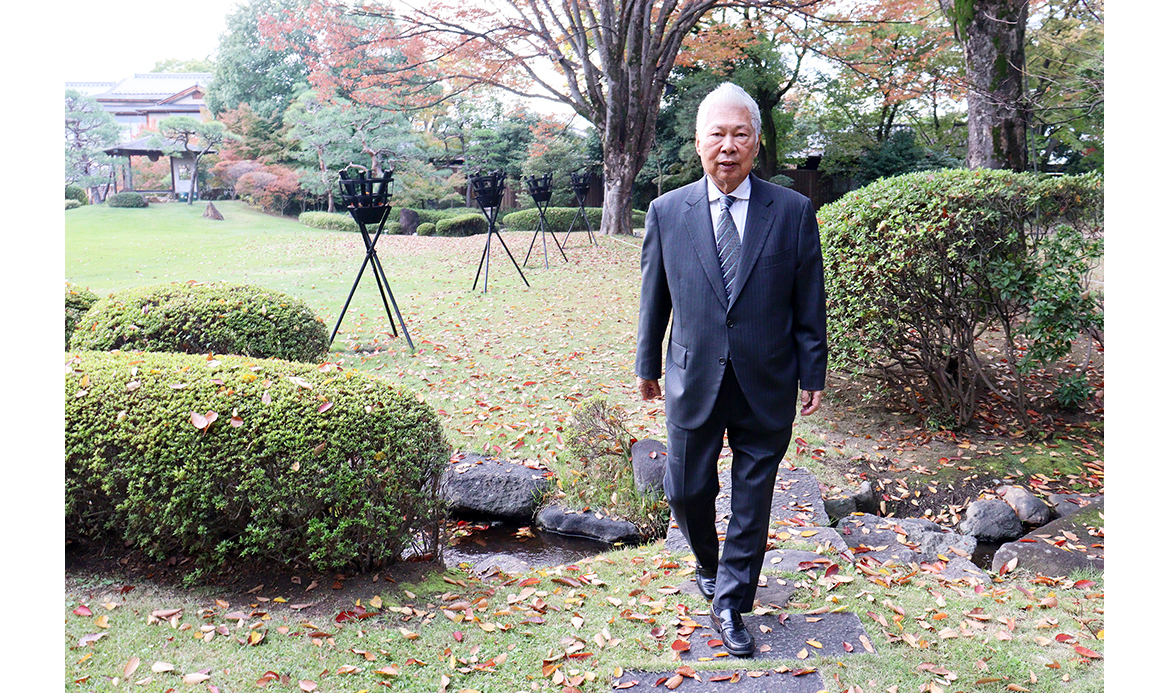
point(126, 199)
point(76, 192)
point(72, 204)
point(328, 221)
point(462, 225)
point(558, 219)
point(434, 216)
point(223, 457)
point(200, 318)
point(77, 301)
point(426, 229)
point(342, 222)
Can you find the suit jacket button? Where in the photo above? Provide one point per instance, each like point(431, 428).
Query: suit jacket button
point(730, 323)
point(722, 361)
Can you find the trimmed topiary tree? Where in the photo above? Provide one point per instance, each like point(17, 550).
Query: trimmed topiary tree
point(216, 458)
point(425, 229)
point(77, 302)
point(126, 199)
point(201, 318)
point(919, 267)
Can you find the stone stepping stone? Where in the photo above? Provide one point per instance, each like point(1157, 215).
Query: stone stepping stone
point(773, 593)
point(747, 680)
point(785, 637)
point(796, 506)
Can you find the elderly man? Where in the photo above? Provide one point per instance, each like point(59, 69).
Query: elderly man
point(737, 260)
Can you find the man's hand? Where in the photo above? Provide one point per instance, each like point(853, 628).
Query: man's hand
point(810, 401)
point(649, 389)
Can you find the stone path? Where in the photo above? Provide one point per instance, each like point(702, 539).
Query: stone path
point(783, 638)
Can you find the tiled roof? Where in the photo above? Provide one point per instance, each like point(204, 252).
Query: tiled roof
point(90, 88)
point(156, 84)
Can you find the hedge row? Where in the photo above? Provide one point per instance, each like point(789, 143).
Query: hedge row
point(225, 457)
point(558, 219)
point(201, 318)
point(342, 222)
point(462, 225)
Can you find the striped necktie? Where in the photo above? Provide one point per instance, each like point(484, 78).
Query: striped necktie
point(727, 241)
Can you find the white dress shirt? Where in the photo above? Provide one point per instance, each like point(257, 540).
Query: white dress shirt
point(739, 208)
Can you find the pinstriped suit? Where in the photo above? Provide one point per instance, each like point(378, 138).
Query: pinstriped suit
point(733, 364)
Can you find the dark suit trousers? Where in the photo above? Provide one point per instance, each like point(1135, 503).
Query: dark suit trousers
point(692, 483)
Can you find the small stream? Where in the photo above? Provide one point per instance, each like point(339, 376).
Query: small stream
point(474, 542)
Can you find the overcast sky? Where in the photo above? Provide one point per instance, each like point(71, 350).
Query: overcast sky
point(113, 40)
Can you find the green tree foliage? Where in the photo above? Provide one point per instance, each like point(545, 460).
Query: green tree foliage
point(557, 150)
point(921, 266)
point(89, 129)
point(220, 457)
point(249, 72)
point(1066, 85)
point(900, 153)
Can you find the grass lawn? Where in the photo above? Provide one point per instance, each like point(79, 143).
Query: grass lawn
point(504, 370)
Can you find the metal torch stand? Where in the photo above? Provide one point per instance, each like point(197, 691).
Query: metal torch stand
point(541, 191)
point(364, 216)
point(488, 191)
point(581, 190)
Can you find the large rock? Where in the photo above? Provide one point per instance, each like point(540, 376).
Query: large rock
point(991, 520)
point(1069, 503)
point(649, 462)
point(861, 501)
point(488, 487)
point(408, 219)
point(1030, 509)
point(555, 518)
point(1059, 547)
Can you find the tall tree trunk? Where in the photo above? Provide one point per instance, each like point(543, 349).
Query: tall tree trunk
point(992, 35)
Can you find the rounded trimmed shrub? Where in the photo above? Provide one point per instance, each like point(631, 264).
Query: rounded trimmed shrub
point(216, 458)
point(202, 318)
point(462, 225)
point(76, 192)
point(72, 204)
point(77, 302)
point(425, 229)
point(126, 199)
point(559, 219)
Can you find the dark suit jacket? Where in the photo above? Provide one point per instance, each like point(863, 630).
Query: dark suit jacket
point(772, 328)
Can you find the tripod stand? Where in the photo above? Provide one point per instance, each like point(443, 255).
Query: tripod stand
point(541, 191)
point(489, 189)
point(368, 206)
point(581, 190)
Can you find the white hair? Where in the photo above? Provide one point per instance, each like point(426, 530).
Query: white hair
point(728, 94)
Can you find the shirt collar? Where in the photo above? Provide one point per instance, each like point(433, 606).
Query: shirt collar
point(743, 192)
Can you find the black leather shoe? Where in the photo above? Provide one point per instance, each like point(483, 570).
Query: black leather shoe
point(734, 633)
point(706, 585)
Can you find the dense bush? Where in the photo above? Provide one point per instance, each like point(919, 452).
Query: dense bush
point(126, 199)
point(425, 229)
point(433, 216)
point(227, 457)
point(71, 204)
point(200, 318)
point(76, 192)
point(462, 225)
point(920, 266)
point(558, 219)
point(77, 301)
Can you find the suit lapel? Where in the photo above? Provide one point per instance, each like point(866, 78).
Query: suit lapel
point(697, 219)
point(760, 217)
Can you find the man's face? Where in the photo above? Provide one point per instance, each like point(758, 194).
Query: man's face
point(727, 145)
